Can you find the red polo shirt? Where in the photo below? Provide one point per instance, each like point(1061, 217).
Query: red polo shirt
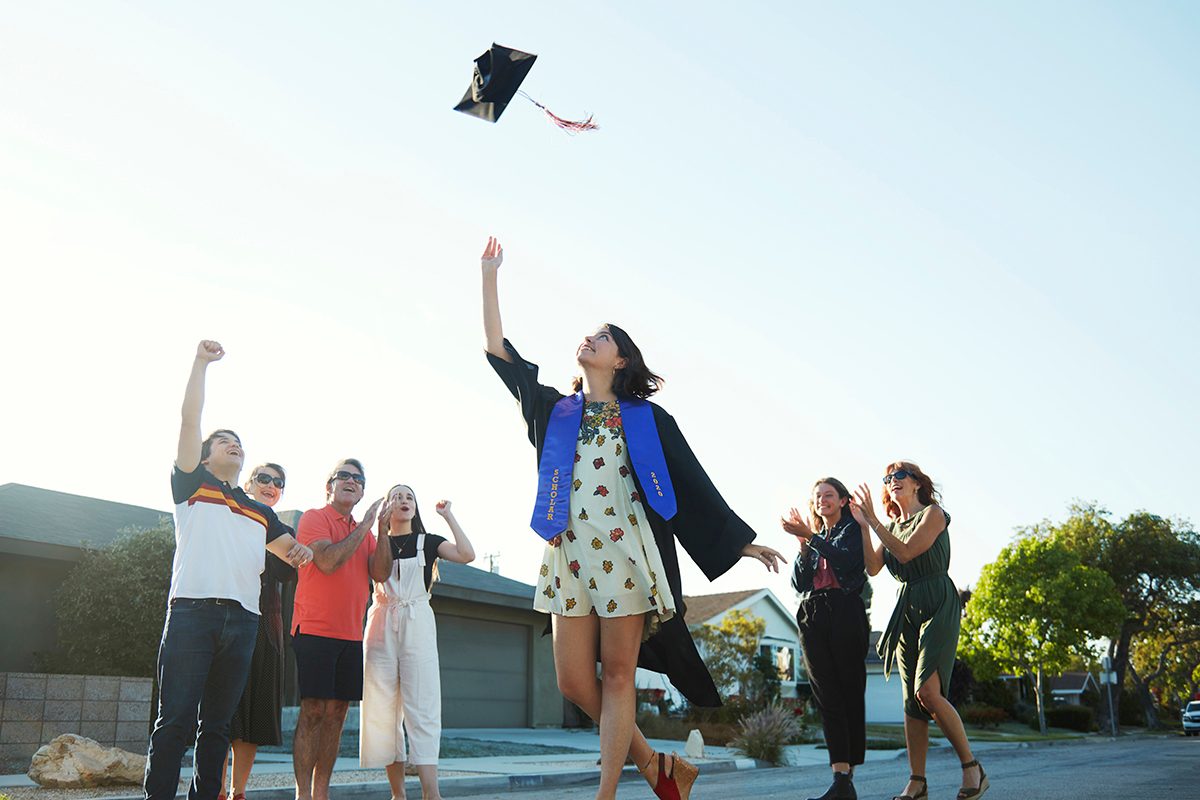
point(332, 605)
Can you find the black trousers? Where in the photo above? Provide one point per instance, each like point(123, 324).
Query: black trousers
point(834, 632)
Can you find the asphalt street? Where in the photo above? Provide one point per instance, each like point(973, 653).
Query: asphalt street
point(1127, 768)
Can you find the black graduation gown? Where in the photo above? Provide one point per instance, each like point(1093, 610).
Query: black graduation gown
point(709, 531)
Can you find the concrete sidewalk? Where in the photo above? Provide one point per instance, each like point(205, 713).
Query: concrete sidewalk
point(493, 774)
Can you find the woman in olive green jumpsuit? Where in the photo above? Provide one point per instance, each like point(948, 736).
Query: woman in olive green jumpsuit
point(922, 635)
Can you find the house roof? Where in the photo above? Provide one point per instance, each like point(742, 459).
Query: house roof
point(703, 607)
point(54, 524)
point(1069, 682)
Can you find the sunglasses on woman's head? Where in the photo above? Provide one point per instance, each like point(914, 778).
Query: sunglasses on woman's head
point(343, 475)
point(898, 475)
point(263, 479)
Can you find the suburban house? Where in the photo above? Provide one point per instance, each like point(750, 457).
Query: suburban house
point(1068, 688)
point(497, 668)
point(42, 534)
point(780, 640)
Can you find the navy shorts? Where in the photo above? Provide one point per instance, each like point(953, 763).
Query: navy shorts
point(328, 669)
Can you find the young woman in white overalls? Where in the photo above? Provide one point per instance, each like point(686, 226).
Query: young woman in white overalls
point(401, 682)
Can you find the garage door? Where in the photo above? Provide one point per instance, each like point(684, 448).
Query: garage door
point(485, 673)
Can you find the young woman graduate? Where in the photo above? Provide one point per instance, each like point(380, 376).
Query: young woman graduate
point(402, 689)
point(617, 483)
point(829, 577)
point(922, 635)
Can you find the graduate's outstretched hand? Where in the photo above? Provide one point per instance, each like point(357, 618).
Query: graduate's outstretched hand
point(493, 255)
point(772, 558)
point(209, 351)
point(797, 525)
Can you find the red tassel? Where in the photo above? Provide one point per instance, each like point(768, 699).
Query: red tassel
point(568, 125)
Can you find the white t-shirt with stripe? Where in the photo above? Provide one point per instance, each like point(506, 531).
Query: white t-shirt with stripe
point(220, 539)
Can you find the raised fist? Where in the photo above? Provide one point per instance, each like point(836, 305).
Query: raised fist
point(209, 351)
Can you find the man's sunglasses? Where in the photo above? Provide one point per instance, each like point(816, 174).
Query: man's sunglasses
point(262, 479)
point(898, 475)
point(343, 475)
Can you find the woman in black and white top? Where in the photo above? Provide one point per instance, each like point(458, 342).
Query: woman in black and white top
point(401, 681)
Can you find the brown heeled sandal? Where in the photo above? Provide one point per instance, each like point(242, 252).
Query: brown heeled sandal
point(677, 785)
point(974, 794)
point(919, 795)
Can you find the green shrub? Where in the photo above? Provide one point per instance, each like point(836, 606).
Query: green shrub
point(1076, 718)
point(764, 733)
point(982, 715)
point(995, 693)
point(111, 607)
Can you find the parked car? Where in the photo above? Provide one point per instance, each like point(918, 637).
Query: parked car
point(1191, 718)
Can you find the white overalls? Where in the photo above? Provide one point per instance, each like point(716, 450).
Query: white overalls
point(402, 687)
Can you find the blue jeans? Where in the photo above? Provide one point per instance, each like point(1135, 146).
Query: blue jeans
point(203, 663)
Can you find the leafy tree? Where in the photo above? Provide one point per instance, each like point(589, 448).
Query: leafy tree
point(1034, 608)
point(767, 682)
point(1166, 657)
point(111, 606)
point(729, 649)
point(1155, 565)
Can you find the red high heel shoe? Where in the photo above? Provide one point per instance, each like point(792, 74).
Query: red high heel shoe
point(677, 785)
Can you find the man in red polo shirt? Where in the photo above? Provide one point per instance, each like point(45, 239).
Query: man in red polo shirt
point(327, 624)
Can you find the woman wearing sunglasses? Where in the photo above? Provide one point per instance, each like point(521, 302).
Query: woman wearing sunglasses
point(256, 722)
point(828, 576)
point(617, 486)
point(922, 636)
point(402, 691)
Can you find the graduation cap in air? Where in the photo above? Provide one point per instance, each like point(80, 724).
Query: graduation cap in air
point(497, 79)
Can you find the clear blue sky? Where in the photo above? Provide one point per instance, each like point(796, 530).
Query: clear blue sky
point(956, 233)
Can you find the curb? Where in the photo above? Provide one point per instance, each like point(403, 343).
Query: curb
point(494, 784)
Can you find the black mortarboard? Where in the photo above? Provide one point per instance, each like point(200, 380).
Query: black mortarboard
point(498, 75)
point(497, 78)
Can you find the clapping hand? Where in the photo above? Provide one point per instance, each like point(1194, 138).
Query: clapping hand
point(209, 351)
point(384, 512)
point(369, 517)
point(493, 254)
point(862, 507)
point(797, 525)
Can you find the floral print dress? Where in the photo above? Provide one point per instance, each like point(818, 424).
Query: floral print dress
point(607, 561)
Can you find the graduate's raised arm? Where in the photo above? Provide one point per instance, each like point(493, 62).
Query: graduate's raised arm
point(187, 457)
point(493, 257)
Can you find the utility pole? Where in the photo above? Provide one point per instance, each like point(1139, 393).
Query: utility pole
point(1108, 678)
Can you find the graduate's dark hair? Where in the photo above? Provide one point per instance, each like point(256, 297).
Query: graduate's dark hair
point(635, 379)
point(206, 445)
point(842, 492)
point(418, 526)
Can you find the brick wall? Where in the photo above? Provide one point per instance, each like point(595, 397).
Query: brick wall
point(36, 707)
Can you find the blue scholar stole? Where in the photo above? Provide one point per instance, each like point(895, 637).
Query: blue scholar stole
point(552, 509)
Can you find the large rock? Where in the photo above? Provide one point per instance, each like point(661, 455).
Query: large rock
point(72, 762)
point(695, 745)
